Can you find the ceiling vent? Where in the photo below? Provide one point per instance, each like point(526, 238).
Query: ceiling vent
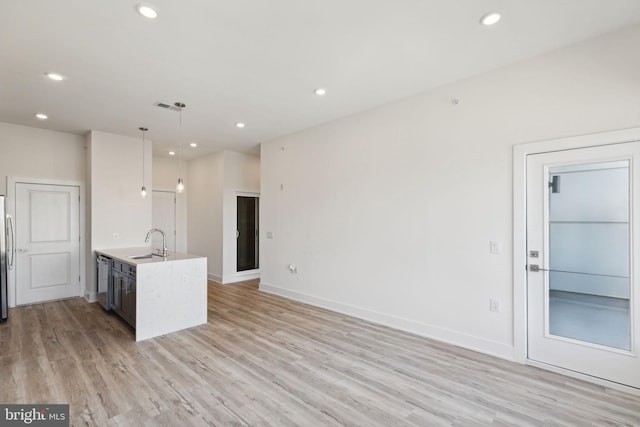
point(166, 106)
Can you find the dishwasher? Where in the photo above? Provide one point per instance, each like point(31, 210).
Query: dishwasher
point(104, 285)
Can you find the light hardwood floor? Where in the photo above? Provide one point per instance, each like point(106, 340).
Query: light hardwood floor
point(263, 360)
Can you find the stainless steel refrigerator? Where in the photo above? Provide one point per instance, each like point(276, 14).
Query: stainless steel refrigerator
point(4, 233)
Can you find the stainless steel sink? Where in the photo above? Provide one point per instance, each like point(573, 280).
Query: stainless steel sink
point(144, 256)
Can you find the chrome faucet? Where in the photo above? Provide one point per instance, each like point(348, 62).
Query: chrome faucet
point(164, 240)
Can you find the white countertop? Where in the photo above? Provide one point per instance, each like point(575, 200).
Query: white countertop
point(170, 293)
point(123, 254)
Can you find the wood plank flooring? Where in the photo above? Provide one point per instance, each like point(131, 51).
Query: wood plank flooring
point(265, 361)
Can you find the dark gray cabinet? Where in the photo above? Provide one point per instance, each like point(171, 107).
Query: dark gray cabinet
point(124, 291)
point(116, 281)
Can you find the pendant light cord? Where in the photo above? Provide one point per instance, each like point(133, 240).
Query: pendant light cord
point(180, 143)
point(180, 186)
point(143, 158)
point(143, 130)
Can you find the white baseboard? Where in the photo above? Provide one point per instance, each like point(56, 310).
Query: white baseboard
point(214, 277)
point(91, 296)
point(236, 277)
point(240, 277)
point(471, 342)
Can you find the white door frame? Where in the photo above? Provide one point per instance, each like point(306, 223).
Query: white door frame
point(520, 153)
point(11, 208)
point(181, 219)
point(175, 214)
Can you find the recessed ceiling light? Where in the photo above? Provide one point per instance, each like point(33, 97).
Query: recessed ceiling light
point(172, 153)
point(42, 116)
point(240, 125)
point(320, 91)
point(55, 76)
point(147, 11)
point(193, 145)
point(490, 18)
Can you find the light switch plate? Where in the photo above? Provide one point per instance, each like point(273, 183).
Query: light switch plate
point(495, 247)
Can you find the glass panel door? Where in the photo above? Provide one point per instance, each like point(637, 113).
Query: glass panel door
point(247, 234)
point(582, 287)
point(588, 223)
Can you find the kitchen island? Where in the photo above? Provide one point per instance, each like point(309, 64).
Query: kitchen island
point(157, 295)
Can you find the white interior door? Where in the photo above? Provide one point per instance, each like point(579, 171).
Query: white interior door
point(47, 220)
point(583, 214)
point(164, 218)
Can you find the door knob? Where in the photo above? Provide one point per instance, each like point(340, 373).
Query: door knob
point(535, 268)
point(21, 251)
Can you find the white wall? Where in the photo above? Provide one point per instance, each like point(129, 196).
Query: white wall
point(204, 211)
point(241, 175)
point(388, 214)
point(38, 153)
point(165, 177)
point(166, 172)
point(214, 182)
point(27, 152)
point(116, 204)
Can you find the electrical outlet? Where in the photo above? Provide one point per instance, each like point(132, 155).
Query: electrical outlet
point(495, 247)
point(116, 236)
point(269, 235)
point(494, 305)
point(293, 269)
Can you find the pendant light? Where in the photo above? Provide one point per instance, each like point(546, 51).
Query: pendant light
point(143, 191)
point(180, 186)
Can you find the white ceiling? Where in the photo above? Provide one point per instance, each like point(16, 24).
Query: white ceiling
point(259, 61)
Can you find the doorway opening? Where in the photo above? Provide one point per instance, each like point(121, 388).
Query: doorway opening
point(247, 233)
